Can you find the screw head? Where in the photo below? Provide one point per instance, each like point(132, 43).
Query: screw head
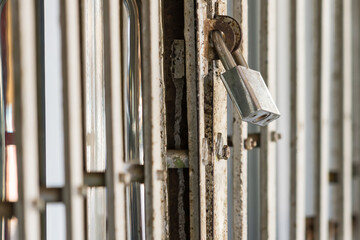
point(226, 152)
point(83, 190)
point(250, 143)
point(125, 178)
point(39, 204)
point(275, 136)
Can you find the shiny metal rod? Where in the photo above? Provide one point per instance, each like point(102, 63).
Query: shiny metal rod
point(222, 50)
point(239, 58)
point(133, 110)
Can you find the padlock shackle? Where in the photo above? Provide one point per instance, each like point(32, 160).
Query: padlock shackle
point(222, 50)
point(239, 58)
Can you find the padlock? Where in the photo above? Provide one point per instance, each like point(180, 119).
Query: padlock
point(245, 87)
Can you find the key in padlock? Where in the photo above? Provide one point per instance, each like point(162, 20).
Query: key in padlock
point(246, 87)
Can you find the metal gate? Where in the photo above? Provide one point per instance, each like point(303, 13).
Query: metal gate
point(115, 123)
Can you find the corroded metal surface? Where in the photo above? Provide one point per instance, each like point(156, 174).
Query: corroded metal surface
point(155, 203)
point(177, 159)
point(215, 108)
point(192, 117)
point(239, 157)
point(201, 70)
point(208, 186)
point(178, 180)
point(176, 121)
point(231, 30)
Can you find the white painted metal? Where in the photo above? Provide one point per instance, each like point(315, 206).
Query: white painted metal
point(298, 111)
point(345, 61)
point(283, 123)
point(54, 123)
point(26, 122)
point(152, 74)
point(321, 73)
point(268, 148)
point(92, 45)
point(73, 136)
point(201, 71)
point(116, 213)
point(219, 125)
point(239, 157)
point(211, 110)
point(356, 113)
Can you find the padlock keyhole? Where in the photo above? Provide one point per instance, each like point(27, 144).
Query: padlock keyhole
point(262, 117)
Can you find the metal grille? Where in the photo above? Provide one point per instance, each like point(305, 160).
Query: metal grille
point(113, 114)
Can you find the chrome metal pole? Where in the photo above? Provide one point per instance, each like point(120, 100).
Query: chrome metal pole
point(133, 110)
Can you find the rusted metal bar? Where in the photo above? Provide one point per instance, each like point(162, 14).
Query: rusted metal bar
point(203, 148)
point(298, 77)
point(268, 53)
point(116, 205)
point(153, 140)
point(194, 140)
point(26, 121)
point(239, 158)
point(73, 135)
point(215, 126)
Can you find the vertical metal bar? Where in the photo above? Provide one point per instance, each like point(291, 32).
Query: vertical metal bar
point(93, 87)
point(133, 100)
point(3, 10)
point(73, 198)
point(201, 70)
point(321, 68)
point(152, 74)
point(356, 112)
point(192, 117)
point(40, 43)
point(93, 84)
point(2, 115)
point(283, 123)
point(239, 157)
point(345, 62)
point(298, 70)
point(268, 148)
point(212, 109)
point(114, 120)
point(219, 126)
point(26, 121)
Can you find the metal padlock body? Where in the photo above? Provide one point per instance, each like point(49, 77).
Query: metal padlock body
point(250, 95)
